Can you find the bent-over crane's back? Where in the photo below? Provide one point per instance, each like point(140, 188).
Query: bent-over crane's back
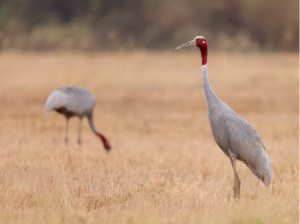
point(232, 133)
point(75, 101)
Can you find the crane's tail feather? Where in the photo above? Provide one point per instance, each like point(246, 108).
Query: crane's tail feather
point(56, 99)
point(262, 170)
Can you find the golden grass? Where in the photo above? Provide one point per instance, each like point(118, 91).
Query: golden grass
point(165, 166)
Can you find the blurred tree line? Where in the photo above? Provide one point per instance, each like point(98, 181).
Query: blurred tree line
point(128, 24)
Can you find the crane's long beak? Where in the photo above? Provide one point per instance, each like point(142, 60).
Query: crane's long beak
point(187, 44)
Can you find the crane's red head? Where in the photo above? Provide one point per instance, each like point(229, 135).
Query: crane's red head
point(105, 142)
point(201, 43)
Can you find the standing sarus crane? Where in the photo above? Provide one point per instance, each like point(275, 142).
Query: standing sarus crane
point(75, 101)
point(233, 134)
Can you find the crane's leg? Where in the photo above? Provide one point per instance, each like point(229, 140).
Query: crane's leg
point(66, 134)
point(237, 183)
point(79, 133)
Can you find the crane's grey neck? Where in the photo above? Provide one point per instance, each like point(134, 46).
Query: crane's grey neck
point(91, 122)
point(211, 97)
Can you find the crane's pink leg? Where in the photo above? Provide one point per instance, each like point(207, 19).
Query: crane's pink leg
point(79, 134)
point(66, 134)
point(237, 183)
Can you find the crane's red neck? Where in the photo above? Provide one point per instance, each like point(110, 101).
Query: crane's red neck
point(105, 142)
point(202, 45)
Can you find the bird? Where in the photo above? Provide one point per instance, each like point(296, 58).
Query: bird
point(233, 134)
point(75, 101)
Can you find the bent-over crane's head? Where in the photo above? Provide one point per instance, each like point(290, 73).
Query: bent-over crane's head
point(105, 142)
point(201, 43)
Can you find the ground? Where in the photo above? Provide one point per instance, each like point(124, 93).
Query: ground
point(164, 166)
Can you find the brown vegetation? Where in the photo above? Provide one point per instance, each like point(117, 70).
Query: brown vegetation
point(164, 166)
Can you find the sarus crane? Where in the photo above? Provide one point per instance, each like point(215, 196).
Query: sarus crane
point(75, 101)
point(232, 133)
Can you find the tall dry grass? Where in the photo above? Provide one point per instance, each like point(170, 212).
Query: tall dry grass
point(165, 166)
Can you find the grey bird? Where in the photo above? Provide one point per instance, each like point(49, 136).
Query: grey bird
point(75, 101)
point(232, 133)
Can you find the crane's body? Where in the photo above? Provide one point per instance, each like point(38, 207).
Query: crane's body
point(232, 133)
point(75, 101)
point(71, 101)
point(235, 136)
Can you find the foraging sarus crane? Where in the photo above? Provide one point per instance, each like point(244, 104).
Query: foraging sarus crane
point(233, 134)
point(75, 101)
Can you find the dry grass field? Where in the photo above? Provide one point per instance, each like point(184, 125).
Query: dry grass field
point(164, 166)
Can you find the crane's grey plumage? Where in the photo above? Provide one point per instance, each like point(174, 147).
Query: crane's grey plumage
point(75, 101)
point(232, 133)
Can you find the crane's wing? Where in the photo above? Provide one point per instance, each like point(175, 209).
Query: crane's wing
point(247, 144)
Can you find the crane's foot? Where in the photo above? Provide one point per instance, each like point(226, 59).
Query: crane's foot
point(236, 194)
point(66, 141)
point(236, 191)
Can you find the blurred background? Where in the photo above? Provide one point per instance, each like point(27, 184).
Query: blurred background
point(93, 25)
